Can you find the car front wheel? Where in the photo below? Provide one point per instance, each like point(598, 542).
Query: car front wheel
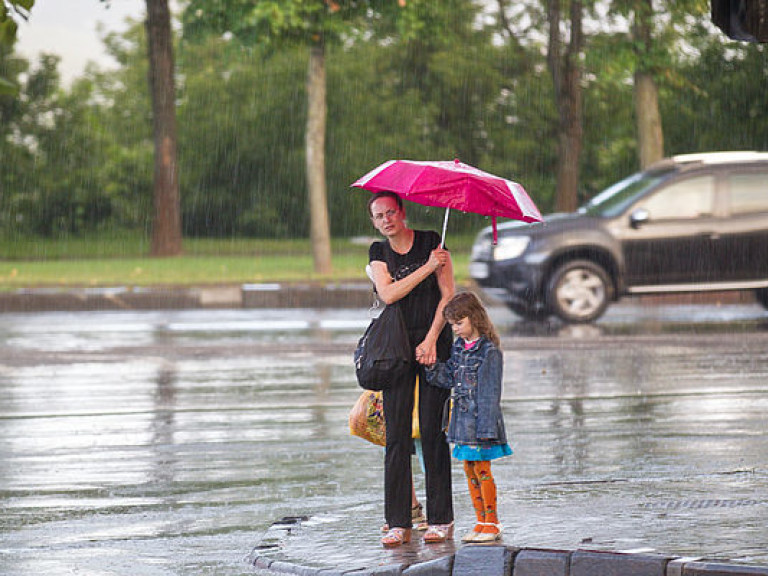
point(579, 291)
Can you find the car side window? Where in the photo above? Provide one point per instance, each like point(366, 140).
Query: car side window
point(749, 192)
point(687, 199)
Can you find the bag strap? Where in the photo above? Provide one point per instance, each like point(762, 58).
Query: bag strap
point(389, 260)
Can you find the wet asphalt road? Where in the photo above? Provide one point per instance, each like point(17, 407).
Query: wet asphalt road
point(168, 442)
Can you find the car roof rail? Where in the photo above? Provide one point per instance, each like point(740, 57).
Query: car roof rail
point(721, 157)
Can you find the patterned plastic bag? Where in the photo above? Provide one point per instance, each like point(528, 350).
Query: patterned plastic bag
point(366, 419)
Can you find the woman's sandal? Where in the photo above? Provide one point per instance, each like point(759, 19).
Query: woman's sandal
point(396, 537)
point(417, 517)
point(437, 533)
point(417, 514)
point(486, 537)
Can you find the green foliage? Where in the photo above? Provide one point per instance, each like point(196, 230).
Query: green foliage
point(241, 134)
point(279, 23)
point(10, 11)
point(610, 146)
point(428, 80)
point(723, 105)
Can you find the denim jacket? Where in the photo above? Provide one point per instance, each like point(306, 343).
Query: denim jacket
point(475, 377)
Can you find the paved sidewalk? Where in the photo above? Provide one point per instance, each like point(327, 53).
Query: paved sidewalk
point(169, 442)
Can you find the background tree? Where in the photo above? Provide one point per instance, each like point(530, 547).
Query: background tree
point(242, 130)
point(166, 225)
point(564, 59)
point(431, 80)
point(310, 23)
point(650, 136)
point(10, 11)
point(657, 30)
point(718, 100)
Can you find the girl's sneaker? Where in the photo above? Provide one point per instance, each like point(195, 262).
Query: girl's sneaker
point(491, 533)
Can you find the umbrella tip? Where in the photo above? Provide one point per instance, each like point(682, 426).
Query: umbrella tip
point(456, 161)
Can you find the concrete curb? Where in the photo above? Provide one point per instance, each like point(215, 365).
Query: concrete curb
point(261, 295)
point(502, 560)
point(482, 560)
point(268, 295)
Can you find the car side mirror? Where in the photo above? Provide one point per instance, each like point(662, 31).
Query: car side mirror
point(639, 217)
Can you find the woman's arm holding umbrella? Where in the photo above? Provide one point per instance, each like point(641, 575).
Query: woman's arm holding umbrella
point(391, 291)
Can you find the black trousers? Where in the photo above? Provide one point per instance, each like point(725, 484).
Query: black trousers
point(398, 411)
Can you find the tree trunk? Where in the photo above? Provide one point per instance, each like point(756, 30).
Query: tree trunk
point(566, 77)
point(166, 224)
point(650, 136)
point(320, 233)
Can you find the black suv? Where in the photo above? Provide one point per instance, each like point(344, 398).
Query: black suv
point(691, 223)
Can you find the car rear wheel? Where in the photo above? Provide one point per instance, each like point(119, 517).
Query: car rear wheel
point(579, 291)
point(762, 296)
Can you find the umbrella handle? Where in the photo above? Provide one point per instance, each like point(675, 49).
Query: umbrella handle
point(445, 227)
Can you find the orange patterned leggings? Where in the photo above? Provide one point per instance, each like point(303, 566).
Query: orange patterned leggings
point(482, 489)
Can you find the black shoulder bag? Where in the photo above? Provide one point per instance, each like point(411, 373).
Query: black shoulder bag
point(383, 355)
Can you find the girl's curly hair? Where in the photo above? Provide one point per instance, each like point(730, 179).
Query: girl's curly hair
point(468, 305)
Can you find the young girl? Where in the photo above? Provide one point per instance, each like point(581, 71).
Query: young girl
point(476, 425)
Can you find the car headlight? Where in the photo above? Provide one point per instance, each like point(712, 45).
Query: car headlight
point(510, 247)
point(482, 249)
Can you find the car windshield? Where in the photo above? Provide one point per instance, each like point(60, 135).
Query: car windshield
point(617, 198)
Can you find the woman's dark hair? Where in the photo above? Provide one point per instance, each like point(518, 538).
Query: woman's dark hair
point(468, 305)
point(384, 194)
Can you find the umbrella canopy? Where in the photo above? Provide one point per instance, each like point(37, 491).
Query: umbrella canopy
point(452, 184)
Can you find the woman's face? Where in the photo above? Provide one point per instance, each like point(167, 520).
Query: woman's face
point(387, 218)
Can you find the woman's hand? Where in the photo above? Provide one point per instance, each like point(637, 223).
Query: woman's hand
point(438, 257)
point(426, 353)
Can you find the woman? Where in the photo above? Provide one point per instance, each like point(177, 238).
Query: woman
point(409, 267)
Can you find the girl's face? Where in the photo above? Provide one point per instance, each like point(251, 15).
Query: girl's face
point(463, 329)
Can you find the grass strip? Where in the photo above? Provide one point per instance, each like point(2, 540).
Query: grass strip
point(123, 261)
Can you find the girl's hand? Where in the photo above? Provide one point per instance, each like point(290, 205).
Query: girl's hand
point(426, 353)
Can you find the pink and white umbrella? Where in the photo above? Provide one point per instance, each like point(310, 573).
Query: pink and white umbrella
point(452, 184)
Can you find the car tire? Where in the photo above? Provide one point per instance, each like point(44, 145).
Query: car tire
point(762, 296)
point(579, 291)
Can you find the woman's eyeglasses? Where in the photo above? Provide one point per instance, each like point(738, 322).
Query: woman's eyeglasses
point(379, 216)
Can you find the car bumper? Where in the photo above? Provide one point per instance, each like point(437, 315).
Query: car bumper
point(515, 282)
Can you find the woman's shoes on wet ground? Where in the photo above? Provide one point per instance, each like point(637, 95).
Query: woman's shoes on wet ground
point(396, 537)
point(417, 518)
point(483, 533)
point(437, 533)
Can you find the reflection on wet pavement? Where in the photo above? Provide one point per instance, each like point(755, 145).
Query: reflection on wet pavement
point(159, 443)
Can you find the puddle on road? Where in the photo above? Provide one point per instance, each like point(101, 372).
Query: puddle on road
point(165, 443)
